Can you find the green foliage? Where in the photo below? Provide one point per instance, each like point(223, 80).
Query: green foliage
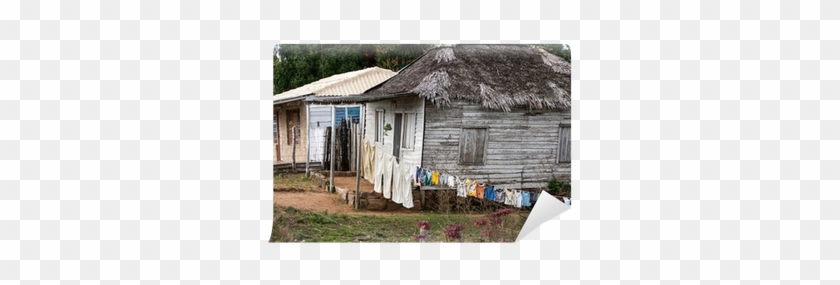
point(561, 50)
point(298, 65)
point(554, 185)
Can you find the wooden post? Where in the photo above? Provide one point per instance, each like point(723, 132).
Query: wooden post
point(308, 141)
point(360, 137)
point(332, 151)
point(294, 147)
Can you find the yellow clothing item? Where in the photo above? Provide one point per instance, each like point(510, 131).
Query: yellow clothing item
point(470, 188)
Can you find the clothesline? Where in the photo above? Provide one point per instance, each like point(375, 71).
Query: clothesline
point(471, 188)
point(396, 181)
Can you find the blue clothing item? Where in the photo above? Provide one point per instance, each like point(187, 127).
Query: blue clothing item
point(427, 179)
point(490, 193)
point(526, 199)
point(418, 175)
point(534, 197)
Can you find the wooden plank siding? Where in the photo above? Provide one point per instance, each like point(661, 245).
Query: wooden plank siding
point(522, 148)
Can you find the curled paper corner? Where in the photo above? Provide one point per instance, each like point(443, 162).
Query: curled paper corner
point(547, 208)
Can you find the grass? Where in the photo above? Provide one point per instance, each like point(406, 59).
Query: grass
point(292, 225)
point(294, 181)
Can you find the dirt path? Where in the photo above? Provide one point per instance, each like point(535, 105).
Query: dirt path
point(317, 199)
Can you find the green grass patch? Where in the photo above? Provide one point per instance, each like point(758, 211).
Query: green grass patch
point(294, 181)
point(292, 225)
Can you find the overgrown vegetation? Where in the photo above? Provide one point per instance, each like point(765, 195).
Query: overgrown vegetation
point(292, 225)
point(294, 181)
point(557, 187)
point(298, 65)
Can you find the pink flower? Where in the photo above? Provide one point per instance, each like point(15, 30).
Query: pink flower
point(424, 225)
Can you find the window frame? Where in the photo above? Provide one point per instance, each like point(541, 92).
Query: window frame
point(404, 133)
point(379, 125)
point(560, 143)
point(483, 151)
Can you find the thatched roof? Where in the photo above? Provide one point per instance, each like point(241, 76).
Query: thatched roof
point(498, 77)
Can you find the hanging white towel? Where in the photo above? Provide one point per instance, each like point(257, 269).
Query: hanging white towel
point(408, 198)
point(379, 169)
point(399, 182)
point(388, 182)
point(517, 198)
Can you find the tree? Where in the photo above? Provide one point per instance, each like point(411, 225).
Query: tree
point(298, 65)
point(561, 50)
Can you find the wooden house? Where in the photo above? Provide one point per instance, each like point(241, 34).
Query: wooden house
point(299, 128)
point(500, 114)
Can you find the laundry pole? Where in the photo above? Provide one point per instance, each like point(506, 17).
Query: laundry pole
point(308, 142)
point(332, 152)
point(361, 135)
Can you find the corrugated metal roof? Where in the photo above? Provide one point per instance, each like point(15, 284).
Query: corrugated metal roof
point(348, 83)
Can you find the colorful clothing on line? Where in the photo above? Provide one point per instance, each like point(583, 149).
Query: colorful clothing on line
point(526, 199)
point(462, 188)
point(490, 193)
point(534, 197)
point(509, 197)
point(470, 188)
point(517, 198)
point(435, 177)
point(499, 195)
point(479, 190)
point(427, 177)
point(418, 175)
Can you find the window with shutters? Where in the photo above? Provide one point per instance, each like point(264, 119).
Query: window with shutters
point(473, 146)
point(564, 153)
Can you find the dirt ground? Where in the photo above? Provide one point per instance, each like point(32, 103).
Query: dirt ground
point(317, 199)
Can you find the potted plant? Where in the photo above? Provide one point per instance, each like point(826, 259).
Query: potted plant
point(387, 128)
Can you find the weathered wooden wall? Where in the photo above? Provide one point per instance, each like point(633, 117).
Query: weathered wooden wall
point(285, 147)
point(522, 148)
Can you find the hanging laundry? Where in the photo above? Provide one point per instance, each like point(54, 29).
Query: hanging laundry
point(517, 199)
point(567, 201)
point(387, 182)
point(534, 197)
point(400, 172)
point(526, 199)
point(479, 190)
point(368, 160)
point(462, 188)
point(427, 178)
point(470, 188)
point(509, 197)
point(499, 195)
point(442, 179)
point(379, 170)
point(407, 189)
point(435, 178)
point(418, 175)
point(490, 193)
point(451, 182)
